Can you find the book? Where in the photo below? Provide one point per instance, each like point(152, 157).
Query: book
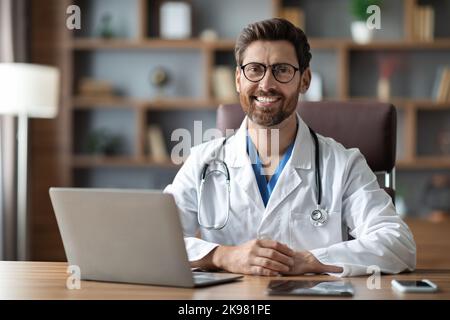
point(438, 86)
point(446, 91)
point(429, 23)
point(423, 23)
point(444, 86)
point(416, 23)
point(223, 84)
point(294, 15)
point(95, 88)
point(156, 146)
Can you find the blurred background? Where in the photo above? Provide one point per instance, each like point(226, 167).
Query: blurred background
point(131, 72)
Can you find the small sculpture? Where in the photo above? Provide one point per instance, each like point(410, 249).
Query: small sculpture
point(159, 78)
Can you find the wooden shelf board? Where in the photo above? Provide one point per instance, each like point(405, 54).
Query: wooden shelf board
point(82, 161)
point(228, 44)
point(177, 104)
point(156, 104)
point(318, 43)
point(156, 43)
point(400, 45)
point(224, 44)
point(79, 102)
point(403, 102)
point(425, 162)
point(96, 43)
point(431, 104)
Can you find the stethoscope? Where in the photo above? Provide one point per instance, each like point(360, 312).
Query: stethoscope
point(318, 217)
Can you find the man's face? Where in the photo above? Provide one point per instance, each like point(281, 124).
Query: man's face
point(268, 102)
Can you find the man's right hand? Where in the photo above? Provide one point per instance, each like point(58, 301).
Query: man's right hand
point(257, 257)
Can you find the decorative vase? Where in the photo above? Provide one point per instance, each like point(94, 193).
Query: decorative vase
point(384, 89)
point(360, 32)
point(175, 20)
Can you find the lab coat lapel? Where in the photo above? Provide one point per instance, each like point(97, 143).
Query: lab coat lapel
point(240, 165)
point(290, 178)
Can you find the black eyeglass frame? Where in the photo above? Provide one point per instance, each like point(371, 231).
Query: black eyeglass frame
point(271, 68)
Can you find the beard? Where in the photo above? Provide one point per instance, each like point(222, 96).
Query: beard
point(268, 116)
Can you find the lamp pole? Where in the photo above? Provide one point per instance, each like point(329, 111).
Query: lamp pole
point(22, 188)
point(28, 91)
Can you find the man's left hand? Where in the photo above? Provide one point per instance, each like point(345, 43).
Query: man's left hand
point(306, 262)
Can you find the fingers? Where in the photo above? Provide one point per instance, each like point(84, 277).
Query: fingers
point(270, 264)
point(276, 256)
point(261, 271)
point(275, 245)
point(262, 257)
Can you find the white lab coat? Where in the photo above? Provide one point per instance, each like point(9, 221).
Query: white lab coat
point(351, 194)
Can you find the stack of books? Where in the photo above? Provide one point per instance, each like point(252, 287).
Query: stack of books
point(441, 87)
point(423, 22)
point(95, 88)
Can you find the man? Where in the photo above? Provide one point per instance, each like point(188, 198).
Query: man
point(264, 226)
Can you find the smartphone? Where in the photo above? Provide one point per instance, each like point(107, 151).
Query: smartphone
point(414, 286)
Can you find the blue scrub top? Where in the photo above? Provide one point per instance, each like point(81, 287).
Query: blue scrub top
point(266, 188)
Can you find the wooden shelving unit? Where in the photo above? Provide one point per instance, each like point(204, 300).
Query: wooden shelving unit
point(341, 48)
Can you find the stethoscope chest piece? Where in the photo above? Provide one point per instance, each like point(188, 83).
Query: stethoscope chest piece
point(318, 217)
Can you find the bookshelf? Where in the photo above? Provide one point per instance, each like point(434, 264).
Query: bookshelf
point(340, 61)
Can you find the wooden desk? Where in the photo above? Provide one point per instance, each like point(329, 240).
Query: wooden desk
point(47, 280)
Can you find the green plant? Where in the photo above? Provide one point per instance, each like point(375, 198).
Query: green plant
point(359, 8)
point(106, 30)
point(103, 142)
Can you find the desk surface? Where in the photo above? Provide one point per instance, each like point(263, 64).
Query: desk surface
point(47, 280)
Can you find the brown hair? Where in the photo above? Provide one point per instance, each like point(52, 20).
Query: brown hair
point(271, 30)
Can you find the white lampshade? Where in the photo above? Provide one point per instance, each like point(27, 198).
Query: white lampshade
point(29, 89)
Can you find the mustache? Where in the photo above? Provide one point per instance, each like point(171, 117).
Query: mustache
point(270, 93)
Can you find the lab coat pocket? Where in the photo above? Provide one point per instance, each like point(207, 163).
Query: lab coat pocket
point(303, 235)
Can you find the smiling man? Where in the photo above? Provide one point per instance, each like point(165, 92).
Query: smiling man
point(258, 210)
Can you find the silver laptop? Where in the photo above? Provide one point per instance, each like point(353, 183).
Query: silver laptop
point(132, 236)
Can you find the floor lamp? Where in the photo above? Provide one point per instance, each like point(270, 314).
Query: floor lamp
point(26, 91)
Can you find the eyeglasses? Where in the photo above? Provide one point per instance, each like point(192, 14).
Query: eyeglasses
point(282, 72)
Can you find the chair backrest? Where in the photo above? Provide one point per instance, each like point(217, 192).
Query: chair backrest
point(369, 126)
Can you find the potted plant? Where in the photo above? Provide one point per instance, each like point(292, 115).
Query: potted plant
point(360, 32)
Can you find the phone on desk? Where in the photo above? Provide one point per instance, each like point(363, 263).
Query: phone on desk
point(414, 285)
